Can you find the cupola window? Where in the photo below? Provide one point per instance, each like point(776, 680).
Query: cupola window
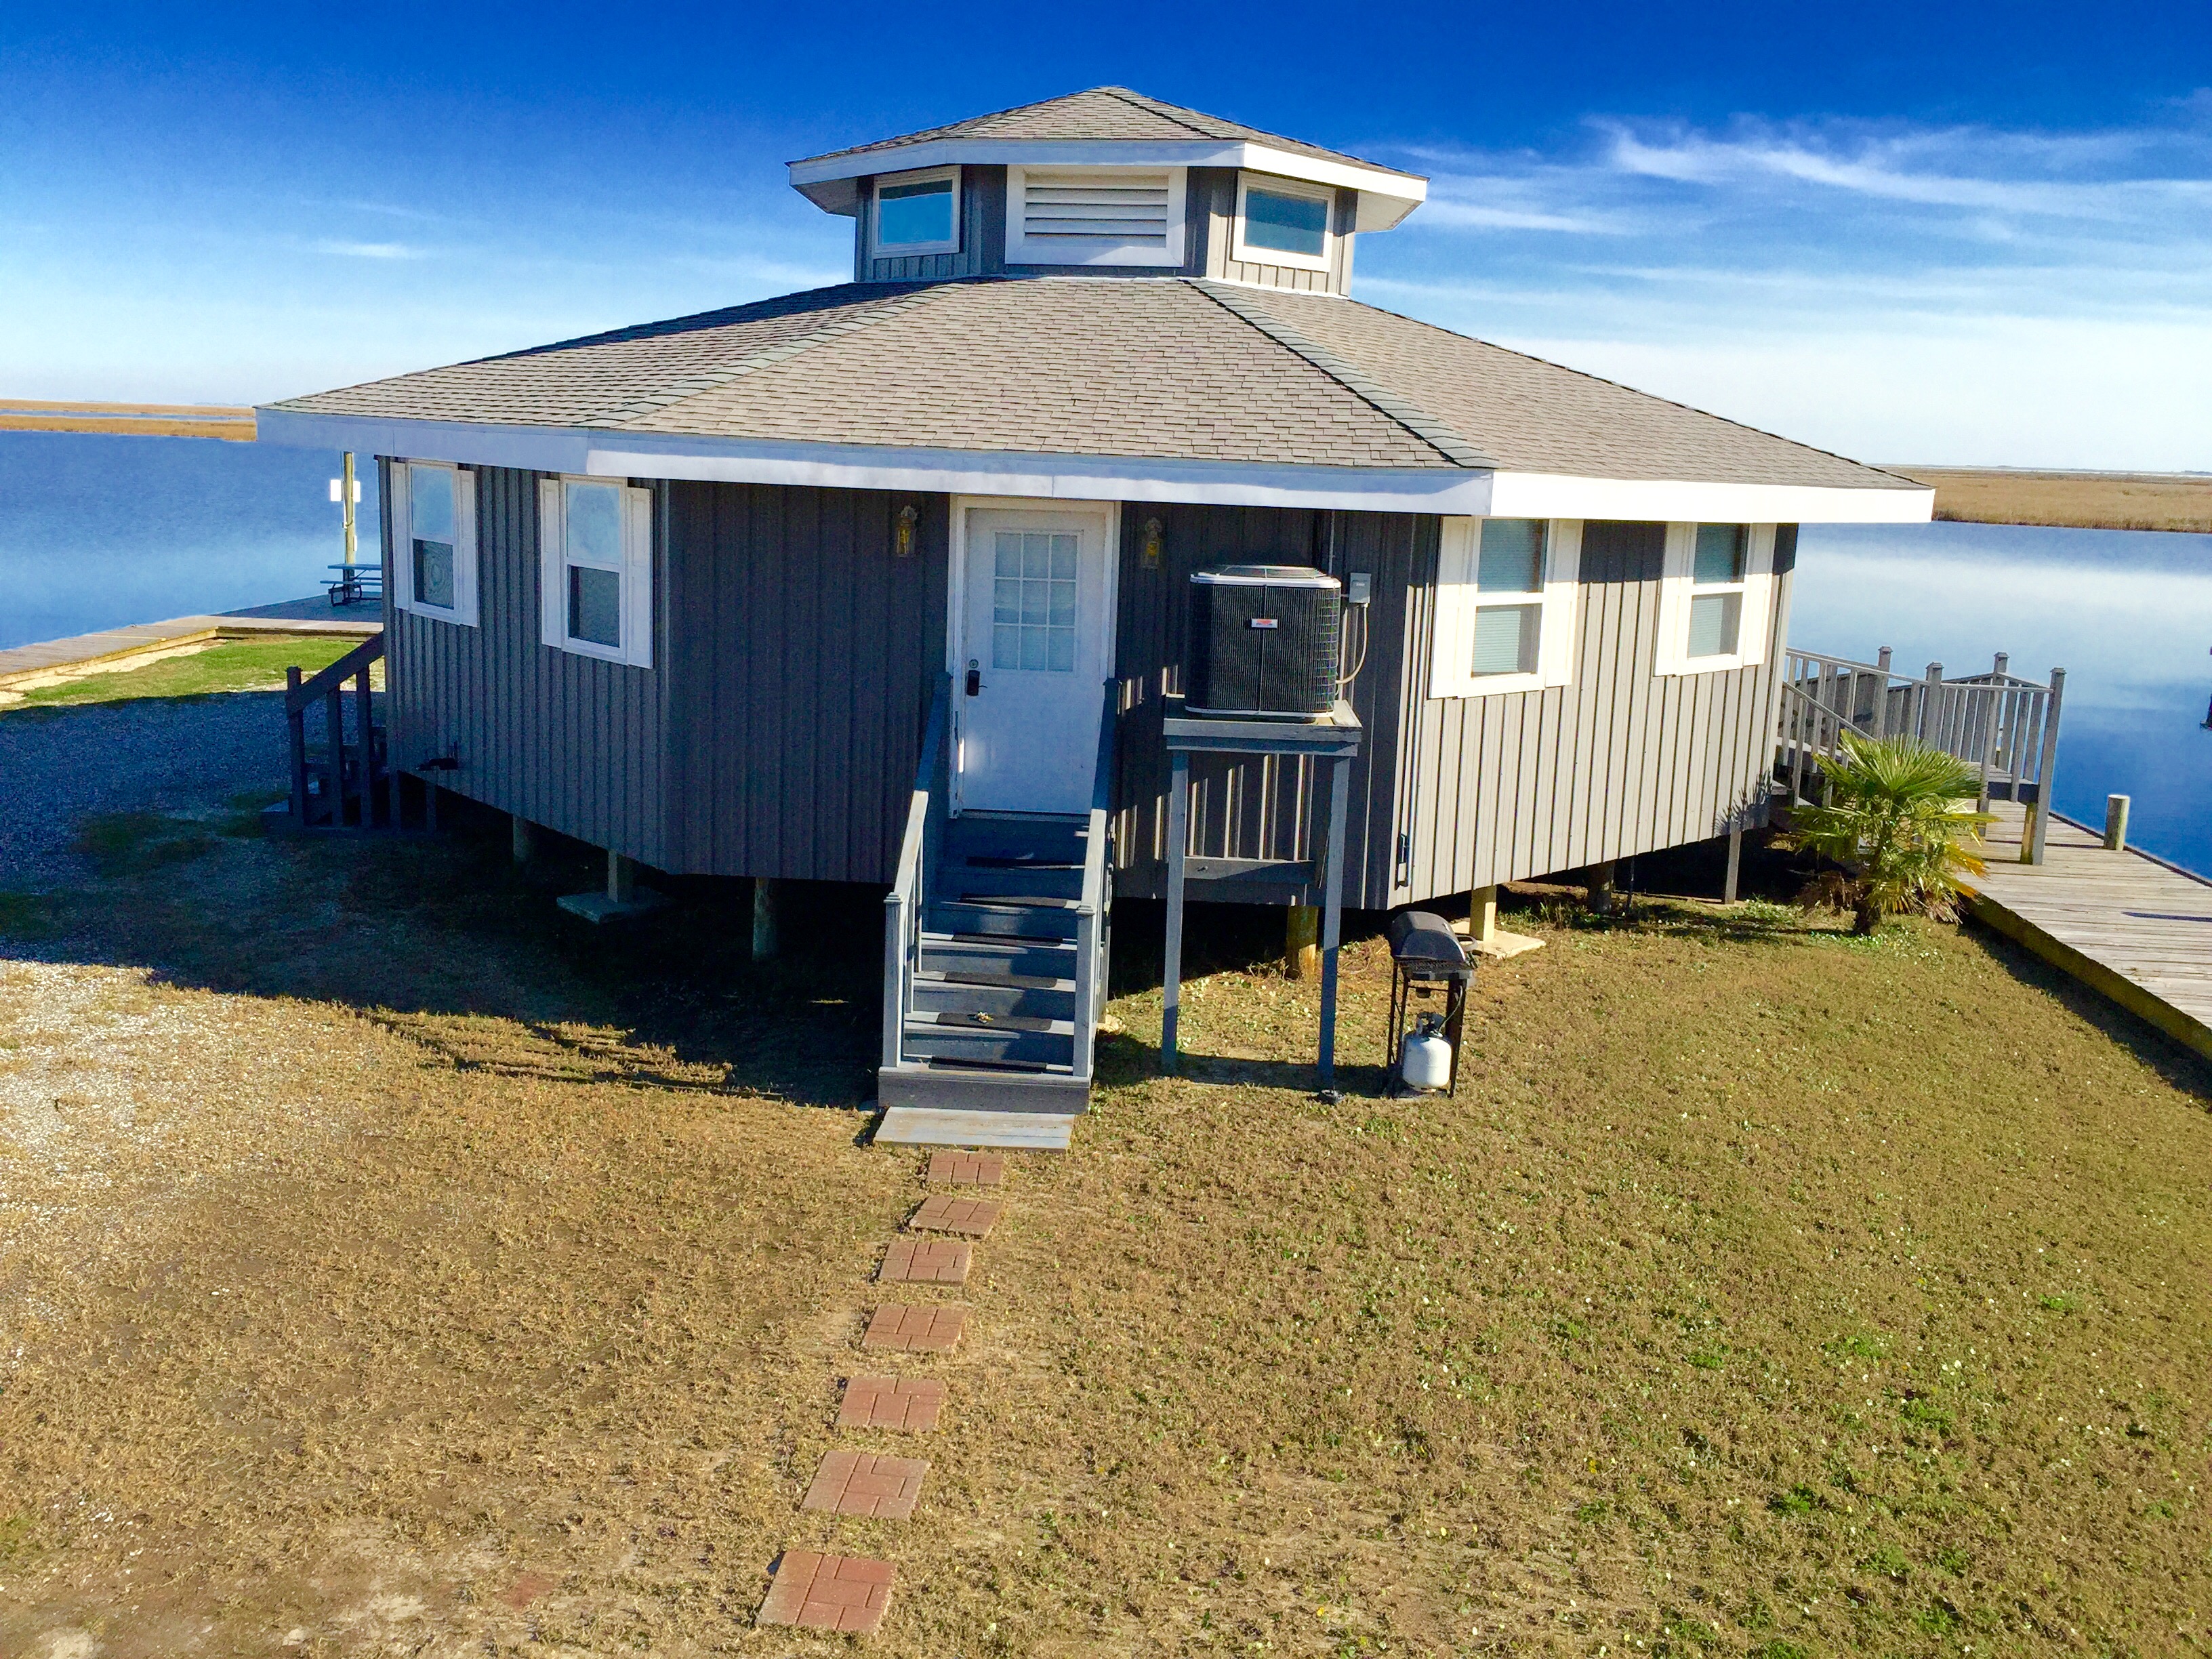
point(919, 212)
point(1281, 221)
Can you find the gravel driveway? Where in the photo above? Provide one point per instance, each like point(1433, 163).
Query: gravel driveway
point(154, 756)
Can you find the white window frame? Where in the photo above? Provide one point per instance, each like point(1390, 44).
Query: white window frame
point(637, 569)
point(1451, 646)
point(1678, 585)
point(399, 514)
point(1246, 182)
point(880, 248)
point(1021, 251)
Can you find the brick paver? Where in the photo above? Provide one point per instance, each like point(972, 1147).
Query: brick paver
point(915, 1330)
point(941, 1213)
point(910, 1403)
point(866, 1483)
point(966, 1169)
point(926, 1261)
point(848, 1593)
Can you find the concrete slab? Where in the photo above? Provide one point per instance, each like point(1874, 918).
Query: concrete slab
point(926, 1125)
point(597, 906)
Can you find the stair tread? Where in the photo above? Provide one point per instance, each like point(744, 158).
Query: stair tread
point(992, 982)
point(1029, 1024)
point(1021, 901)
point(1036, 1068)
point(999, 861)
point(1023, 941)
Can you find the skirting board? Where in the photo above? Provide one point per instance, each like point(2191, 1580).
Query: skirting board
point(928, 1126)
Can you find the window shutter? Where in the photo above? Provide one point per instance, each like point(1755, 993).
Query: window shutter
point(1757, 595)
point(1095, 215)
point(552, 574)
point(638, 577)
point(400, 528)
point(464, 546)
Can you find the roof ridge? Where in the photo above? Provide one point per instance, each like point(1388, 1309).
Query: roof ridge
point(1443, 439)
point(1167, 111)
point(1638, 392)
point(866, 315)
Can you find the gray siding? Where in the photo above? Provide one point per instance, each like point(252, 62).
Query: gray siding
point(983, 235)
point(1619, 761)
point(1212, 192)
point(567, 741)
point(808, 652)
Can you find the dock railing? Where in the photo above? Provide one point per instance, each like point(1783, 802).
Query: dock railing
point(2004, 726)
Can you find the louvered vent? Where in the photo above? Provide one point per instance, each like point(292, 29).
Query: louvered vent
point(1082, 210)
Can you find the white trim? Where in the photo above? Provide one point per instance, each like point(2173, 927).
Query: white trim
point(1299, 189)
point(1094, 251)
point(1385, 198)
point(634, 623)
point(399, 510)
point(1446, 489)
point(1450, 673)
point(1678, 586)
point(878, 248)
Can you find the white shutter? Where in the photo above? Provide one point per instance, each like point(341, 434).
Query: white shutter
point(1562, 586)
point(638, 577)
point(400, 534)
point(1095, 215)
point(1757, 595)
point(464, 546)
point(552, 569)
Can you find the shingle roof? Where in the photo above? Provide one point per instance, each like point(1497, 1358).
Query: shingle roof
point(1153, 368)
point(1106, 113)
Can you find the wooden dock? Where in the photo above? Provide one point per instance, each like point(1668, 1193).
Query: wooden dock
point(52, 661)
point(2134, 927)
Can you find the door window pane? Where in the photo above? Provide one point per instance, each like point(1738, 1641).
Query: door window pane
point(1720, 554)
point(1285, 223)
point(1511, 560)
point(595, 606)
point(1505, 639)
point(1713, 620)
point(434, 572)
point(921, 212)
point(1033, 601)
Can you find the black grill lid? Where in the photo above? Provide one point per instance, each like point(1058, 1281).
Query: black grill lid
point(1419, 937)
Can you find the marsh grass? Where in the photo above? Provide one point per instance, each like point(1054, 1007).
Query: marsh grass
point(1763, 1293)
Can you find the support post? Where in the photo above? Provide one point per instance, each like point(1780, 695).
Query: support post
point(1302, 941)
point(621, 879)
point(347, 491)
point(2047, 772)
point(1340, 800)
point(2115, 823)
point(1735, 865)
point(765, 943)
point(296, 720)
point(523, 839)
point(1178, 832)
point(1482, 915)
point(1600, 900)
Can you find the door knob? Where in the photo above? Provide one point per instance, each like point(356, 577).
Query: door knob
point(974, 678)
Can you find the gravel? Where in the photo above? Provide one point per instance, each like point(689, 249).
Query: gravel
point(59, 768)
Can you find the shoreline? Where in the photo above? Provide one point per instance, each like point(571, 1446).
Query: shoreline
point(2177, 502)
point(231, 422)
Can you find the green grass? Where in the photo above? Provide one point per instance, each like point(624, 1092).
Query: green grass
point(232, 665)
point(132, 843)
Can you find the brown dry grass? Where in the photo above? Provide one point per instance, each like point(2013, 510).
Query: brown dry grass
point(2097, 500)
point(1764, 1292)
point(139, 420)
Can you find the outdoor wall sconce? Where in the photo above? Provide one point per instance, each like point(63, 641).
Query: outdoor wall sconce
point(902, 536)
point(1154, 539)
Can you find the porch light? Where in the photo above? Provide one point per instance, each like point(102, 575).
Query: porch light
point(902, 537)
point(1154, 539)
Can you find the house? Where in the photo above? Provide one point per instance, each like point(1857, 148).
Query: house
point(887, 582)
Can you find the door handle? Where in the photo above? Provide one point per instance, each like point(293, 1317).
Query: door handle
point(974, 678)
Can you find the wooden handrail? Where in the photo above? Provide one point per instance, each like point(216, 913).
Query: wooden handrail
point(296, 698)
point(904, 904)
point(1091, 914)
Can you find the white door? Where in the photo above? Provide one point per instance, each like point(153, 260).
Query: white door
point(1034, 653)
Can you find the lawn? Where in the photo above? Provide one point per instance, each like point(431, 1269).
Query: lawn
point(252, 664)
point(390, 1267)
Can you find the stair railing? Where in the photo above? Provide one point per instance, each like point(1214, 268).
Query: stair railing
point(906, 904)
point(357, 781)
point(1093, 912)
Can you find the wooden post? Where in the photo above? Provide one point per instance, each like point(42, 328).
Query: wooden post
point(1178, 833)
point(347, 489)
point(1600, 900)
point(2115, 823)
point(334, 727)
point(1735, 865)
point(1482, 915)
point(2046, 771)
point(1302, 941)
point(523, 838)
point(296, 720)
point(765, 944)
point(1340, 798)
point(621, 879)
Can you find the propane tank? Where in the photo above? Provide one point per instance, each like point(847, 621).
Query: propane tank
point(1425, 1060)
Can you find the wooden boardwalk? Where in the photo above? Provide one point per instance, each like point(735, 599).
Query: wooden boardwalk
point(2137, 930)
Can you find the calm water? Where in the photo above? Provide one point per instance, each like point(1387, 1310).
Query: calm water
point(99, 531)
point(2127, 614)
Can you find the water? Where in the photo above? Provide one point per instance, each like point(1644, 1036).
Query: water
point(2127, 614)
point(99, 531)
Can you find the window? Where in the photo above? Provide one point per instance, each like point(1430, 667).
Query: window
point(595, 547)
point(918, 212)
point(1505, 605)
point(1716, 596)
point(434, 541)
point(1094, 216)
point(1281, 223)
point(1033, 601)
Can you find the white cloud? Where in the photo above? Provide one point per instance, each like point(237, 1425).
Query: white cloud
point(372, 250)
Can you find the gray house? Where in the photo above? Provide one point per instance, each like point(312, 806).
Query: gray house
point(887, 582)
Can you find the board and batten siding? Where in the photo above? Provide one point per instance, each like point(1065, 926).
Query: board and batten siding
point(1212, 192)
point(574, 742)
point(1620, 760)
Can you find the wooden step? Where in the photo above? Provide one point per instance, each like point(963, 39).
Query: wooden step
point(940, 1126)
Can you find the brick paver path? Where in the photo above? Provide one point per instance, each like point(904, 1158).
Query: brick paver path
point(846, 1593)
point(966, 1169)
point(971, 1217)
point(915, 1330)
point(910, 1403)
point(926, 1261)
point(866, 1483)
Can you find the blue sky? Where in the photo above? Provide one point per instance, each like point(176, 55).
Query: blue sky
point(1976, 234)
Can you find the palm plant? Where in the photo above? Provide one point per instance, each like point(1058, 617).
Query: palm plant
point(1900, 821)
